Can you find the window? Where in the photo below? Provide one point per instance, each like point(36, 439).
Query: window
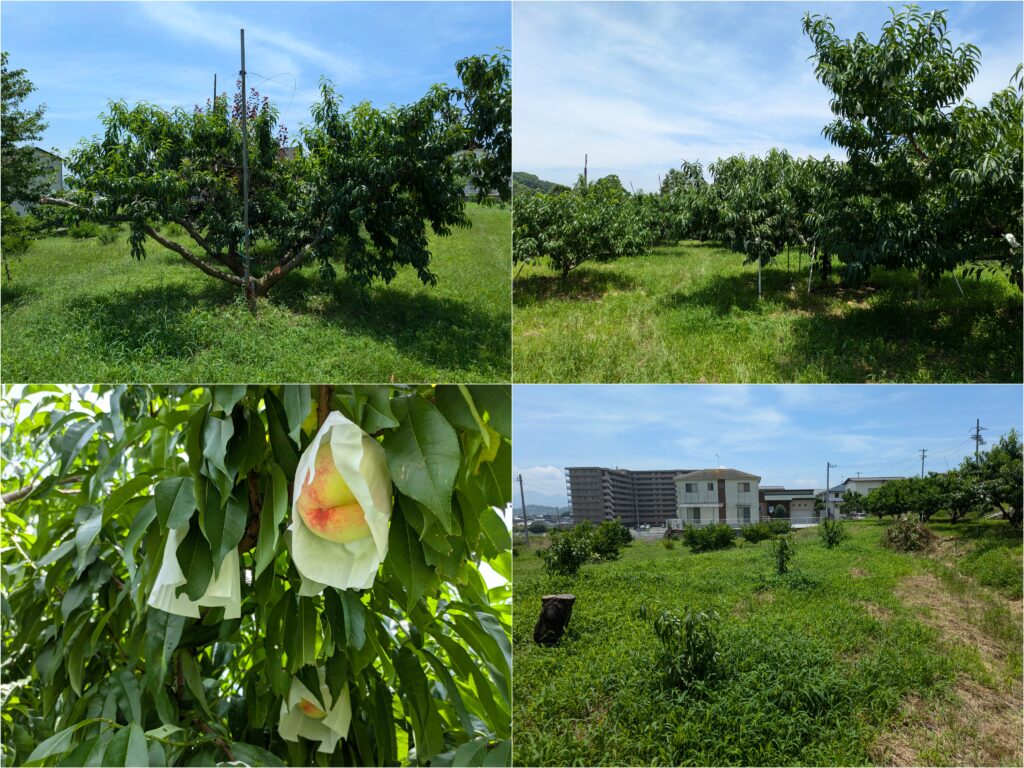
point(744, 513)
point(711, 486)
point(691, 487)
point(744, 487)
point(695, 512)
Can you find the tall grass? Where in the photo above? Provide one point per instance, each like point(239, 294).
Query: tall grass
point(691, 313)
point(808, 675)
point(82, 310)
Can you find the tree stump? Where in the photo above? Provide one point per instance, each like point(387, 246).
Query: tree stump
point(555, 611)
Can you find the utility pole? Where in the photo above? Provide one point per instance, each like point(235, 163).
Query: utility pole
point(584, 170)
point(924, 452)
point(829, 466)
point(245, 189)
point(522, 500)
point(213, 104)
point(978, 439)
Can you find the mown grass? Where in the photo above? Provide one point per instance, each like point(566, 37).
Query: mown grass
point(823, 666)
point(690, 313)
point(78, 310)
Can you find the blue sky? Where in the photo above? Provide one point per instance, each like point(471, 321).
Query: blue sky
point(785, 434)
point(640, 86)
point(80, 55)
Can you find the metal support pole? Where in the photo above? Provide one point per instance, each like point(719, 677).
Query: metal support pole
point(522, 500)
point(246, 286)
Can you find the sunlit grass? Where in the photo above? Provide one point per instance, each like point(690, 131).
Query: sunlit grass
point(78, 310)
point(690, 313)
point(817, 667)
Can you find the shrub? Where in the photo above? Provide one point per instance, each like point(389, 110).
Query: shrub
point(668, 542)
point(569, 551)
point(831, 532)
point(756, 532)
point(609, 538)
point(709, 538)
point(108, 235)
point(83, 229)
point(779, 526)
point(782, 552)
point(907, 536)
point(689, 645)
point(538, 526)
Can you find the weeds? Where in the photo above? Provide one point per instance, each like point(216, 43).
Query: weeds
point(689, 644)
point(709, 538)
point(831, 533)
point(782, 552)
point(908, 536)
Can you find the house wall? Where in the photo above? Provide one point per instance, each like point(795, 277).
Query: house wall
point(53, 175)
point(711, 490)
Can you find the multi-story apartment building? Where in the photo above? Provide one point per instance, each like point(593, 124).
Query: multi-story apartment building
point(722, 495)
point(635, 497)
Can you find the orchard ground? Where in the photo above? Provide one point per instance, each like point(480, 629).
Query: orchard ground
point(690, 313)
point(859, 656)
point(78, 310)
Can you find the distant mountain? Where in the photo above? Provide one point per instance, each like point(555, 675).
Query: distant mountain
point(541, 499)
point(528, 181)
point(537, 511)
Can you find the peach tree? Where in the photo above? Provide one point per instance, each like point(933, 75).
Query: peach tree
point(170, 597)
point(934, 180)
point(359, 190)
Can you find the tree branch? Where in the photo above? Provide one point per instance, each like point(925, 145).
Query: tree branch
point(21, 493)
point(170, 245)
point(252, 525)
point(323, 405)
point(288, 263)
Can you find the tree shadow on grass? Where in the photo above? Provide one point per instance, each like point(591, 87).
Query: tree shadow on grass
point(436, 330)
point(14, 292)
point(582, 284)
point(878, 332)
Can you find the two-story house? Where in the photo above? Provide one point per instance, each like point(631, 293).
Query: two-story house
point(708, 496)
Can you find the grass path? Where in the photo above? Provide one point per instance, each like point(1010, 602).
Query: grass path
point(80, 311)
point(860, 656)
point(690, 313)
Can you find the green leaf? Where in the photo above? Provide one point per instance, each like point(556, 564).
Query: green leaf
point(175, 501)
point(282, 446)
point(86, 534)
point(75, 663)
point(196, 562)
point(300, 634)
point(125, 493)
point(138, 751)
point(216, 434)
point(378, 415)
point(297, 403)
point(129, 686)
point(74, 597)
point(74, 439)
point(405, 557)
point(255, 756)
point(275, 507)
point(423, 456)
point(355, 619)
point(225, 525)
point(252, 442)
point(428, 729)
point(471, 753)
point(117, 749)
point(140, 523)
point(336, 673)
point(58, 743)
point(494, 401)
point(495, 533)
point(500, 756)
point(193, 680)
point(227, 395)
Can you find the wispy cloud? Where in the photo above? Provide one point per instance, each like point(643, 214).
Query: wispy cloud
point(641, 86)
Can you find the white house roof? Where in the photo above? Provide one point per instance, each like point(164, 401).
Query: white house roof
point(722, 473)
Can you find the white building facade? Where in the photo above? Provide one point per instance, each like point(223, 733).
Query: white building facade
point(711, 496)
